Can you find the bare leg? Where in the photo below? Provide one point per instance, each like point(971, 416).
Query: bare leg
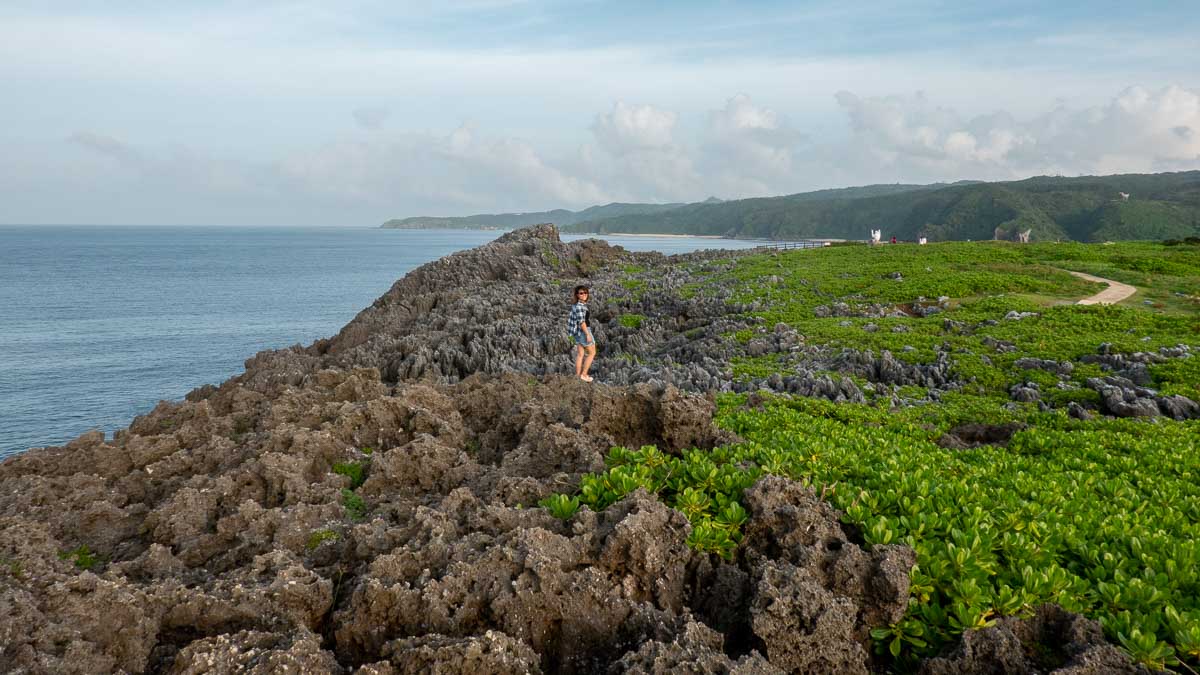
point(587, 362)
point(578, 360)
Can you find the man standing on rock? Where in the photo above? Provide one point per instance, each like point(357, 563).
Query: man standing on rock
point(578, 326)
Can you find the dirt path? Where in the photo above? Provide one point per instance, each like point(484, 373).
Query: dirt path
point(1115, 292)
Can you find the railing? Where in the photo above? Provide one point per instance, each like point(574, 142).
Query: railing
point(790, 245)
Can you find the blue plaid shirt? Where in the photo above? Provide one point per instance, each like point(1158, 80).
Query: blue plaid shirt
point(576, 319)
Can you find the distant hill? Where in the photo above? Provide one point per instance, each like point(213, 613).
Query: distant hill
point(560, 217)
point(1091, 208)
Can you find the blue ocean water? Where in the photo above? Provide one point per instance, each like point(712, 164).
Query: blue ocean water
point(97, 324)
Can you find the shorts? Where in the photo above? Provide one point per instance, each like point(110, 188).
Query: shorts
point(581, 338)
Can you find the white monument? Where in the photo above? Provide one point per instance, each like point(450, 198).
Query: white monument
point(1023, 237)
point(876, 235)
point(922, 241)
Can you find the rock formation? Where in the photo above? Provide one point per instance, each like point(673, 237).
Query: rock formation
point(368, 503)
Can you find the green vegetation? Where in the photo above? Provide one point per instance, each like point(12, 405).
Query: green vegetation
point(1100, 516)
point(491, 221)
point(1160, 206)
point(13, 567)
point(633, 321)
point(705, 487)
point(1090, 208)
point(356, 508)
point(82, 556)
point(560, 506)
point(355, 471)
point(319, 537)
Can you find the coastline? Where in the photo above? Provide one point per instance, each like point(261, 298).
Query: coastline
point(343, 502)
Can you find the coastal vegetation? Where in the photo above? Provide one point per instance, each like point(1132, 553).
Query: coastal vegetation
point(1008, 503)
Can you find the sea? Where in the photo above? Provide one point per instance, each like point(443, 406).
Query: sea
point(99, 323)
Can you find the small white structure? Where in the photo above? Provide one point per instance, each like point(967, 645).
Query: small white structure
point(922, 241)
point(1023, 237)
point(1124, 196)
point(876, 235)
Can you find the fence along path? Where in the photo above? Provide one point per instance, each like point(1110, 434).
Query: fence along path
point(789, 245)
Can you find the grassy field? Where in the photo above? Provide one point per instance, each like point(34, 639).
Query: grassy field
point(1099, 515)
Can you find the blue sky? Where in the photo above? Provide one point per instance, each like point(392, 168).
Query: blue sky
point(348, 113)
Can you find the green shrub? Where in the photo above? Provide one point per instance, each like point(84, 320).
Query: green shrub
point(319, 537)
point(633, 321)
point(560, 506)
point(82, 556)
point(356, 508)
point(355, 471)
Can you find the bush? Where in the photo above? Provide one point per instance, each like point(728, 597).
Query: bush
point(356, 508)
point(82, 556)
point(319, 537)
point(355, 471)
point(633, 321)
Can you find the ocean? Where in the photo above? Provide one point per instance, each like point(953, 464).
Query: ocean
point(98, 324)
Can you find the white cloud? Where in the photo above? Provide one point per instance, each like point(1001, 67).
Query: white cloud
point(750, 150)
point(630, 128)
point(1137, 130)
point(641, 152)
point(639, 156)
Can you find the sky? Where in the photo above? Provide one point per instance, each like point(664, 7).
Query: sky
point(348, 113)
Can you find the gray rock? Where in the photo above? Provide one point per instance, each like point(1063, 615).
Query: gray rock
point(1062, 369)
point(1179, 407)
point(1073, 644)
point(1078, 412)
point(1025, 393)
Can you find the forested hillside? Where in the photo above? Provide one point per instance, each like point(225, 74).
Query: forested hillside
point(561, 217)
point(1092, 208)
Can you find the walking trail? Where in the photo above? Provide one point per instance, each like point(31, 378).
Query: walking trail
point(1115, 292)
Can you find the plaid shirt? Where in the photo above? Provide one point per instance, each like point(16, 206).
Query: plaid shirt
point(578, 315)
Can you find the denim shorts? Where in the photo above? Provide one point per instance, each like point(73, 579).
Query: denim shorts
point(581, 339)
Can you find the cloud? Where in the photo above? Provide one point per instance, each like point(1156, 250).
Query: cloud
point(630, 128)
point(371, 119)
point(638, 152)
point(1137, 130)
point(507, 164)
point(749, 150)
point(350, 180)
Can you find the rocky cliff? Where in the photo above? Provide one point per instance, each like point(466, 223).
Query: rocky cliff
point(368, 504)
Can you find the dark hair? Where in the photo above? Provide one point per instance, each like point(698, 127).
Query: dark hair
point(581, 287)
